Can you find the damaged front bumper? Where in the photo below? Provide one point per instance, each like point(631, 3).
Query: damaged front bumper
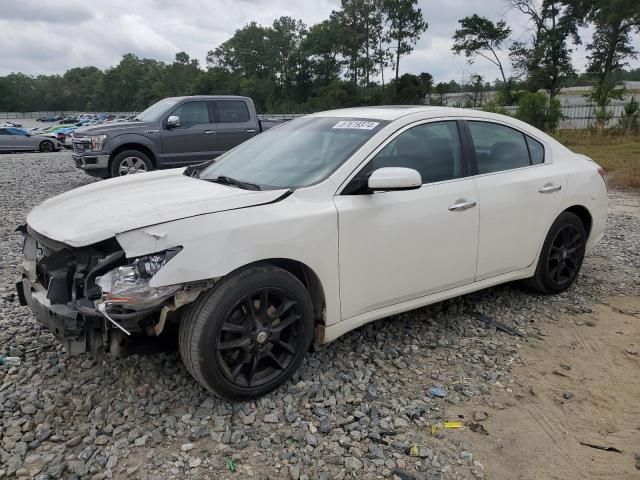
point(77, 332)
point(91, 298)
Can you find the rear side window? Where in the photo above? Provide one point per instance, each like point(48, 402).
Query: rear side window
point(232, 111)
point(433, 149)
point(498, 147)
point(192, 113)
point(4, 131)
point(536, 150)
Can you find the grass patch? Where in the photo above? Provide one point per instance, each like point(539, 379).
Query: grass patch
point(619, 155)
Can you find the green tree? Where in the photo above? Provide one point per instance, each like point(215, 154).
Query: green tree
point(248, 52)
point(546, 62)
point(322, 50)
point(537, 110)
point(479, 36)
point(178, 78)
point(406, 25)
point(630, 119)
point(611, 48)
point(285, 37)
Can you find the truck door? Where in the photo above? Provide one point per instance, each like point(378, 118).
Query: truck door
point(235, 123)
point(194, 140)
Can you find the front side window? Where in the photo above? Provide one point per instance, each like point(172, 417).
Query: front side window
point(192, 113)
point(232, 111)
point(498, 147)
point(433, 149)
point(296, 154)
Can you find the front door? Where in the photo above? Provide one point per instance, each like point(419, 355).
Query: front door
point(401, 245)
point(194, 140)
point(520, 193)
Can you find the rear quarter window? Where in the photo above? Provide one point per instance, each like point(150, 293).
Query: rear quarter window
point(536, 150)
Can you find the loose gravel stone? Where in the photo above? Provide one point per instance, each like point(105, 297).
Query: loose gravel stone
point(353, 410)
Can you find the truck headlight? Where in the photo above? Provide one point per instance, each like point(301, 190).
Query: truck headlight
point(97, 142)
point(128, 285)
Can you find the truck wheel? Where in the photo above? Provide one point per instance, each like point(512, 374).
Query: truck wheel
point(129, 162)
point(247, 335)
point(46, 146)
point(561, 256)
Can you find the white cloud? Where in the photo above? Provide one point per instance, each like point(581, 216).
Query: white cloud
point(51, 36)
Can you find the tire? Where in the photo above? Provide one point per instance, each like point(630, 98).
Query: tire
point(46, 146)
point(561, 255)
point(129, 162)
point(248, 334)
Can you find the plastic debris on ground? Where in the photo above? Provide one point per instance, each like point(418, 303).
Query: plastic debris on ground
point(438, 392)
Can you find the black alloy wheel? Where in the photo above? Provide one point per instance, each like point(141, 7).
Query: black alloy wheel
point(46, 146)
point(561, 255)
point(258, 339)
point(249, 333)
point(565, 255)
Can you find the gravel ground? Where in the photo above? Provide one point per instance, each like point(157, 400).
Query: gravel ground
point(358, 408)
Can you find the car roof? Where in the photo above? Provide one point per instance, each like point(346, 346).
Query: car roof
point(393, 112)
point(211, 97)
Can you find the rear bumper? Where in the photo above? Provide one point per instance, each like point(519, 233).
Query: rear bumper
point(68, 325)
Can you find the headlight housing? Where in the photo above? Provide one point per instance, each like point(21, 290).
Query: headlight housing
point(128, 285)
point(97, 142)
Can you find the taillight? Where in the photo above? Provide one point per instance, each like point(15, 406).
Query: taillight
point(603, 174)
point(61, 137)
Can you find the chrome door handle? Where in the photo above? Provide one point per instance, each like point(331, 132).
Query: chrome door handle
point(250, 130)
point(210, 131)
point(550, 188)
point(463, 205)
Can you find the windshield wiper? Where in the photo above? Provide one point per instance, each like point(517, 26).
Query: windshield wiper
point(223, 179)
point(194, 170)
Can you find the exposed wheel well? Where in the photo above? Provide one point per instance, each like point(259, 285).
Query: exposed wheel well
point(308, 278)
point(584, 216)
point(134, 146)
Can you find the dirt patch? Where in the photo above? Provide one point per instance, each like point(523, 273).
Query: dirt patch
point(579, 383)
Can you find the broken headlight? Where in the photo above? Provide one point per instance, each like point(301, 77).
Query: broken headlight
point(128, 285)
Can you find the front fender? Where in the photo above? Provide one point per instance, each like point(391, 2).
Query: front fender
point(152, 143)
point(213, 245)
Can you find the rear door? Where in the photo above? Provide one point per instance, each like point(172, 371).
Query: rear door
point(520, 192)
point(194, 140)
point(236, 122)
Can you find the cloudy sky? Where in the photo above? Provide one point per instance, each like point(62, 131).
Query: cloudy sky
point(50, 36)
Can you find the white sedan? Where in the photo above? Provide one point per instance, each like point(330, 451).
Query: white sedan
point(306, 232)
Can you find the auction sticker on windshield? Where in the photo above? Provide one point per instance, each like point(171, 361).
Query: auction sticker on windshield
point(357, 124)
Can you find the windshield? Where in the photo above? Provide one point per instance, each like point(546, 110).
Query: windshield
point(156, 111)
point(296, 154)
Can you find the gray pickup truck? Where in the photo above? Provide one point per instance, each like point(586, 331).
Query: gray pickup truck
point(173, 132)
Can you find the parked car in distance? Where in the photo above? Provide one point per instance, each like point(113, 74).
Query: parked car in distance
point(17, 139)
point(7, 123)
point(173, 132)
point(308, 231)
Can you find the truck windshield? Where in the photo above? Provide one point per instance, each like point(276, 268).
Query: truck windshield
point(297, 154)
point(156, 111)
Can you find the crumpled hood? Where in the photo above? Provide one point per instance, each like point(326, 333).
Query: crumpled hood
point(100, 210)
